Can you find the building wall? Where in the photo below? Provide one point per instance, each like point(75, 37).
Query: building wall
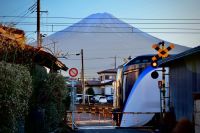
point(108, 90)
point(97, 90)
point(184, 80)
point(107, 76)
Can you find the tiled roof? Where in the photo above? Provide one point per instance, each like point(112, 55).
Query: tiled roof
point(97, 83)
point(108, 71)
point(182, 55)
point(29, 54)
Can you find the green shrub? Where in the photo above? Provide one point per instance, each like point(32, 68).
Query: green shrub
point(15, 91)
point(49, 101)
point(55, 94)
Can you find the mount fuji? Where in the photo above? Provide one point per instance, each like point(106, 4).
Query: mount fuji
point(102, 37)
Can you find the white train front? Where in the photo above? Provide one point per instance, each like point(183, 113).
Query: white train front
point(137, 94)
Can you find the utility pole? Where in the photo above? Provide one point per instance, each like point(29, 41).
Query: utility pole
point(82, 77)
point(38, 25)
point(115, 62)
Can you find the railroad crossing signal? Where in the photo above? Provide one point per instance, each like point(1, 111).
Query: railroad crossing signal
point(154, 64)
point(162, 52)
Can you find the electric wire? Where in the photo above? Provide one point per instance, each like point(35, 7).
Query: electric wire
point(56, 17)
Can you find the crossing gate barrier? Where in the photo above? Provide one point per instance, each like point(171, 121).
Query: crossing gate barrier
point(99, 116)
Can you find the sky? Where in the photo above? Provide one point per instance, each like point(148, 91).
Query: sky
point(181, 18)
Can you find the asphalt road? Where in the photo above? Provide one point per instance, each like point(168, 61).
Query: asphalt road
point(112, 131)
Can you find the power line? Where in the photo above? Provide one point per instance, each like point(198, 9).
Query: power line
point(139, 32)
point(112, 23)
point(23, 15)
point(96, 58)
point(3, 16)
point(118, 27)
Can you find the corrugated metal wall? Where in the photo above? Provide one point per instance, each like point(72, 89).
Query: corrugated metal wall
point(184, 80)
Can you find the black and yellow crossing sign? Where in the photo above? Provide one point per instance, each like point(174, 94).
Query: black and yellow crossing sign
point(163, 52)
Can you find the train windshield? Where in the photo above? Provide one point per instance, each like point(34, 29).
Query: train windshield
point(127, 76)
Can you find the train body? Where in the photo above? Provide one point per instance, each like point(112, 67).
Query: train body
point(137, 94)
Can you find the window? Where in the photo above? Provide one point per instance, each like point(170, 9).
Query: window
point(101, 78)
point(112, 77)
point(106, 77)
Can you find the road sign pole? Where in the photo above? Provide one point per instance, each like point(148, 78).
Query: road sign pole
point(73, 72)
point(72, 96)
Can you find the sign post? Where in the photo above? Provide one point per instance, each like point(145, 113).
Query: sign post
point(73, 72)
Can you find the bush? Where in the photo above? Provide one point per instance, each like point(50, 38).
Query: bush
point(48, 102)
point(15, 91)
point(53, 103)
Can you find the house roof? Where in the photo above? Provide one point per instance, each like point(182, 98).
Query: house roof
point(23, 54)
point(11, 30)
point(13, 34)
point(93, 83)
point(97, 83)
point(107, 83)
point(187, 53)
point(108, 71)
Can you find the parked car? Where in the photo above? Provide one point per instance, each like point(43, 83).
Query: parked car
point(78, 98)
point(102, 99)
point(88, 98)
point(92, 100)
point(109, 99)
point(96, 98)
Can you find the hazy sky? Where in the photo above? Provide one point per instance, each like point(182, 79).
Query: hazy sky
point(181, 18)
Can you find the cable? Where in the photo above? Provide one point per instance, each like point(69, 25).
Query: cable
point(109, 18)
point(59, 23)
point(30, 10)
point(140, 32)
point(97, 58)
point(118, 27)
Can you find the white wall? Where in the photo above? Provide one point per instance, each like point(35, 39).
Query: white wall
point(97, 90)
point(108, 90)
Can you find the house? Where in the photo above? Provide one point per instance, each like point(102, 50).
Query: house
point(106, 78)
point(13, 44)
point(184, 81)
point(104, 85)
point(95, 85)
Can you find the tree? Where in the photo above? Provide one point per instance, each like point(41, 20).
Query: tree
point(15, 91)
point(48, 102)
point(90, 91)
